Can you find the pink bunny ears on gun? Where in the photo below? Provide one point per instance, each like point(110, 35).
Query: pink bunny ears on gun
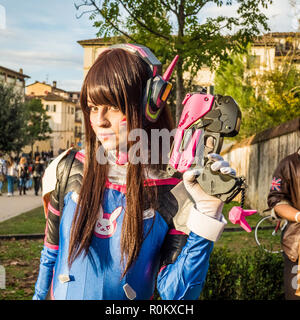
point(237, 215)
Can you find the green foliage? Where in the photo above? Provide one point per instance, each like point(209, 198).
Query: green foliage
point(282, 91)
point(22, 122)
point(38, 126)
point(176, 27)
point(13, 120)
point(266, 99)
point(247, 275)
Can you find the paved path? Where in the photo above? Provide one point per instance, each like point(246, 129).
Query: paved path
point(15, 205)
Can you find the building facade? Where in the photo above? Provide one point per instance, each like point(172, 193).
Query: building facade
point(92, 49)
point(61, 109)
point(79, 125)
point(16, 79)
point(266, 51)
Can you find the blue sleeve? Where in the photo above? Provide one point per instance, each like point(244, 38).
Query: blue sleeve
point(47, 262)
point(184, 279)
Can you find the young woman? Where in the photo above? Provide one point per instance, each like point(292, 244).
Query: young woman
point(11, 175)
point(23, 175)
point(115, 236)
point(37, 173)
point(3, 170)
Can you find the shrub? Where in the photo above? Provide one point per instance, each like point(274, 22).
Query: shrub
point(254, 275)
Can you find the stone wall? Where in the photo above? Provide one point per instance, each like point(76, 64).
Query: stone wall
point(257, 157)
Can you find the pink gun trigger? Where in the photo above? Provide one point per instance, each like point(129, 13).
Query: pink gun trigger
point(237, 216)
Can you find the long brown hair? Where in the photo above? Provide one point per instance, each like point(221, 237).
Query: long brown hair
point(118, 78)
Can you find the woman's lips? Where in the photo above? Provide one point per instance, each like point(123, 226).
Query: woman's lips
point(105, 136)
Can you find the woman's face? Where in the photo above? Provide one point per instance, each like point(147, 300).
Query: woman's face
point(109, 125)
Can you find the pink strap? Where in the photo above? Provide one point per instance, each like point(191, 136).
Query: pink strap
point(174, 231)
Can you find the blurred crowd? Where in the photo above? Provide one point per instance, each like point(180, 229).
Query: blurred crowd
point(23, 173)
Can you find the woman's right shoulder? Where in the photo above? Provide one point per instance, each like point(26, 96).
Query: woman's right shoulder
point(53, 171)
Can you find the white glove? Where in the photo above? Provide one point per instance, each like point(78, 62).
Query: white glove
point(206, 204)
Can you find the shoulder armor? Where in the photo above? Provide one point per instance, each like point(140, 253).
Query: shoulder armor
point(54, 172)
point(49, 178)
point(74, 180)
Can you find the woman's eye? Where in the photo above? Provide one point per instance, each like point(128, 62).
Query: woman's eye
point(94, 109)
point(114, 108)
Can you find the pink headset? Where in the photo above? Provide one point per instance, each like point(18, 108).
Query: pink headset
point(158, 87)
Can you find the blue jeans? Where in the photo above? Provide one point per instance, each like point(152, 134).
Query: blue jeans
point(1, 185)
point(22, 185)
point(10, 184)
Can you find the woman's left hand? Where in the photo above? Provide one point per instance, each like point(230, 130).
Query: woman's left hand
point(205, 203)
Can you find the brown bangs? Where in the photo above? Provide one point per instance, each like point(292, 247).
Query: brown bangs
point(113, 80)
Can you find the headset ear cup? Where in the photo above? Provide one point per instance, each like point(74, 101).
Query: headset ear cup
point(159, 86)
point(154, 98)
point(146, 98)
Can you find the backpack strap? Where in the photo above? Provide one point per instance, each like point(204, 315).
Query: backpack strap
point(65, 177)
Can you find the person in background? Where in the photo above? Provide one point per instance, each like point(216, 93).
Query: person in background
point(29, 180)
point(3, 170)
point(284, 203)
point(37, 173)
point(23, 175)
point(11, 176)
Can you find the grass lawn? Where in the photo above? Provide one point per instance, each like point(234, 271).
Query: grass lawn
point(21, 262)
point(21, 257)
point(30, 222)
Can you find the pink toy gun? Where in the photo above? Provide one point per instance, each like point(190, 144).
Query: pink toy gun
point(207, 116)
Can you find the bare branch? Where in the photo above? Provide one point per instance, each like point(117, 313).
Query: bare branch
point(195, 12)
point(168, 6)
point(84, 12)
point(85, 3)
point(142, 24)
point(99, 10)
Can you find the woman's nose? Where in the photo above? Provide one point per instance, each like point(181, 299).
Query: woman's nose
point(101, 120)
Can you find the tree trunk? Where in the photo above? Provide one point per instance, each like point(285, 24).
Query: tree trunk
point(179, 74)
point(179, 90)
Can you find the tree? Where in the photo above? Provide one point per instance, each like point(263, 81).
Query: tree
point(13, 119)
point(170, 27)
point(282, 94)
point(266, 99)
point(37, 128)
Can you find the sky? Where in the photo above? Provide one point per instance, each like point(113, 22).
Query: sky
point(41, 36)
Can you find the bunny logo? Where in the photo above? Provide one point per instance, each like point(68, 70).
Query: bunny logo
point(106, 224)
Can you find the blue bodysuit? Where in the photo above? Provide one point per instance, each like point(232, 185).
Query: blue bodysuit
point(173, 261)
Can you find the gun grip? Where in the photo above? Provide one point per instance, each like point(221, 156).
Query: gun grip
point(213, 142)
point(214, 182)
point(223, 186)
